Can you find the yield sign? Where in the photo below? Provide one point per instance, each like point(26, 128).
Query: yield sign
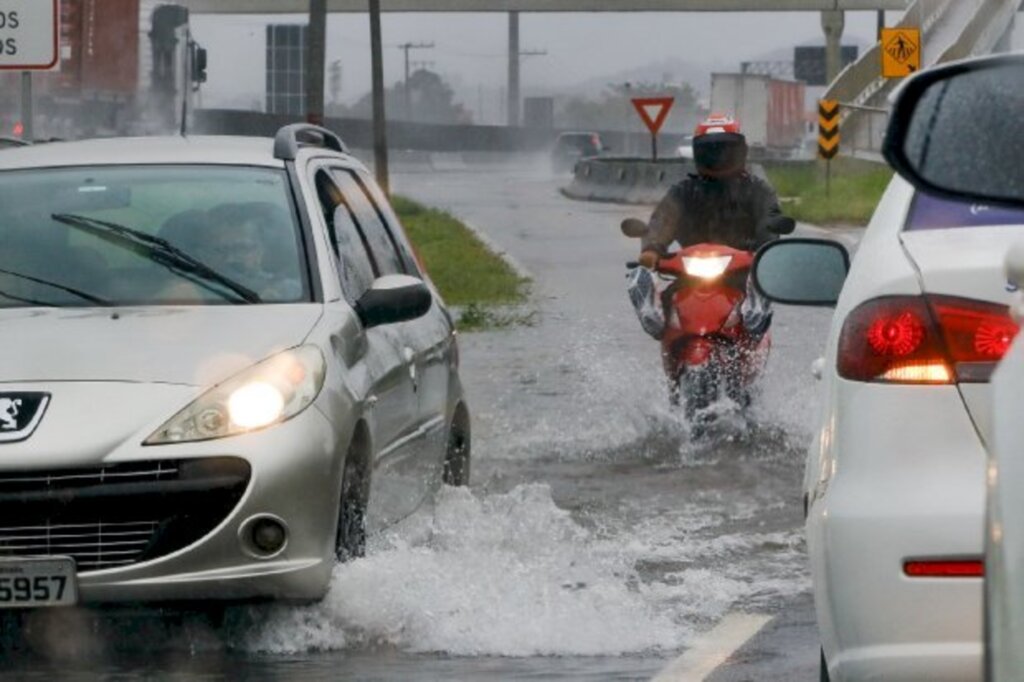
point(654, 111)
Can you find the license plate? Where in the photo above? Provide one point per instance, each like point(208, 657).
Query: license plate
point(30, 582)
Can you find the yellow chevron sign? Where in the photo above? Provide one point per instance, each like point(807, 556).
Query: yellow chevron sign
point(828, 128)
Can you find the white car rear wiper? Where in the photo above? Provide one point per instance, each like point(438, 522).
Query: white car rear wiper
point(60, 287)
point(159, 251)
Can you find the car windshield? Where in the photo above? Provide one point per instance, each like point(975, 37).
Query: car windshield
point(148, 235)
point(933, 213)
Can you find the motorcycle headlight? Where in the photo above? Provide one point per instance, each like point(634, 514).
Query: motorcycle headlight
point(706, 267)
point(267, 393)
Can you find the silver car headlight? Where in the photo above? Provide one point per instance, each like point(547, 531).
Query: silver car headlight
point(267, 393)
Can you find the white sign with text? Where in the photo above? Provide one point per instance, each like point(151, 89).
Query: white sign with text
point(29, 35)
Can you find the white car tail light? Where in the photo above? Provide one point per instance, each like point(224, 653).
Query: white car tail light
point(924, 340)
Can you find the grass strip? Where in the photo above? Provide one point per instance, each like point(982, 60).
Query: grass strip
point(856, 190)
point(468, 274)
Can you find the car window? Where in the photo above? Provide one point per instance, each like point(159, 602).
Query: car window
point(382, 243)
point(355, 266)
point(394, 225)
point(149, 235)
point(933, 213)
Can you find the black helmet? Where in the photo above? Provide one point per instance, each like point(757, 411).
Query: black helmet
point(719, 148)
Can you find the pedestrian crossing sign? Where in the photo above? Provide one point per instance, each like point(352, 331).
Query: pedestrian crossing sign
point(901, 52)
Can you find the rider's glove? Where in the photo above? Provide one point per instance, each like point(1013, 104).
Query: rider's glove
point(649, 259)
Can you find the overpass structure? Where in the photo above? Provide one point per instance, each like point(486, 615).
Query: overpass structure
point(350, 6)
point(950, 29)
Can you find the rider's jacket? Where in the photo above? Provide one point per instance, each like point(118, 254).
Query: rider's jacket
point(730, 211)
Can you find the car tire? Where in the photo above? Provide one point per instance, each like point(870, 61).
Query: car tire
point(823, 675)
point(458, 453)
point(355, 496)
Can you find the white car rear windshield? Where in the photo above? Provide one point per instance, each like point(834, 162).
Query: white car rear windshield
point(149, 235)
point(933, 213)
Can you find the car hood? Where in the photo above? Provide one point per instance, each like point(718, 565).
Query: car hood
point(967, 262)
point(195, 345)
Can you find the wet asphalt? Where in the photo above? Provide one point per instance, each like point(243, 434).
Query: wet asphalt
point(597, 540)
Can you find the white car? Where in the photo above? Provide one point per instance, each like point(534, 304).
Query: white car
point(221, 367)
point(895, 479)
point(1004, 557)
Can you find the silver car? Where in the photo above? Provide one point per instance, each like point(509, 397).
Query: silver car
point(220, 368)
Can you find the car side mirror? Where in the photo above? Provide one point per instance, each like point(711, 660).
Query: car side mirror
point(806, 272)
point(631, 227)
point(954, 131)
point(393, 298)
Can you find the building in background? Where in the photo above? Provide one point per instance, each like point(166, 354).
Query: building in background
point(125, 68)
point(286, 69)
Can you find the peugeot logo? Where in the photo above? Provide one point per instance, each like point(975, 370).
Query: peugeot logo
point(20, 414)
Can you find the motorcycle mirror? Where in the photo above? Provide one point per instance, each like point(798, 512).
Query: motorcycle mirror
point(631, 227)
point(781, 225)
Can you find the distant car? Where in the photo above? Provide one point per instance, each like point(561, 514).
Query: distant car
point(572, 147)
point(221, 364)
point(685, 150)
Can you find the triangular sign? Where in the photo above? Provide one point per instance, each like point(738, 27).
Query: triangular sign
point(653, 111)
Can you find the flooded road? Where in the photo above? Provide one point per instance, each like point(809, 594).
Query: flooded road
point(596, 541)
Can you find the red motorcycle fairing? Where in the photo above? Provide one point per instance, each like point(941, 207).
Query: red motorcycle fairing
point(705, 327)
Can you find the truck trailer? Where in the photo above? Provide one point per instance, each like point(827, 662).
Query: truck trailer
point(770, 111)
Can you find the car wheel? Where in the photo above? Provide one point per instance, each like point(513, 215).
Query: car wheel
point(823, 670)
point(355, 495)
point(457, 455)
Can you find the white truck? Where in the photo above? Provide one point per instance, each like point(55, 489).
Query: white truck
point(771, 112)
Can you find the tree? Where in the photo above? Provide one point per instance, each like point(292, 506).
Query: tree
point(431, 100)
point(613, 110)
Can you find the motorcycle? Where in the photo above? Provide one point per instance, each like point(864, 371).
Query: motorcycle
point(715, 336)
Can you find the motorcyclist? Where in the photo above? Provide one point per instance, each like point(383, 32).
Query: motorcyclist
point(722, 203)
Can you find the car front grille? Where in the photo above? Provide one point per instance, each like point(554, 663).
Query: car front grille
point(93, 545)
point(120, 514)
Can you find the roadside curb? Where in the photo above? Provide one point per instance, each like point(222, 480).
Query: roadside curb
point(498, 250)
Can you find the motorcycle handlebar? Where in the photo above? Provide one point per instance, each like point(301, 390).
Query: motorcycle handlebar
point(632, 264)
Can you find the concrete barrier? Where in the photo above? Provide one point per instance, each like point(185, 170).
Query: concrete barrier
point(636, 181)
point(625, 180)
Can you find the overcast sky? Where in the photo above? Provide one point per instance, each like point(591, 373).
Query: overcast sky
point(471, 49)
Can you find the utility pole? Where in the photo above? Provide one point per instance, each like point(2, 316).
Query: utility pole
point(380, 140)
point(515, 54)
point(405, 47)
point(512, 108)
point(316, 57)
point(27, 116)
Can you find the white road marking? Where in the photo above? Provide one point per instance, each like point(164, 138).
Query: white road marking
point(714, 648)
